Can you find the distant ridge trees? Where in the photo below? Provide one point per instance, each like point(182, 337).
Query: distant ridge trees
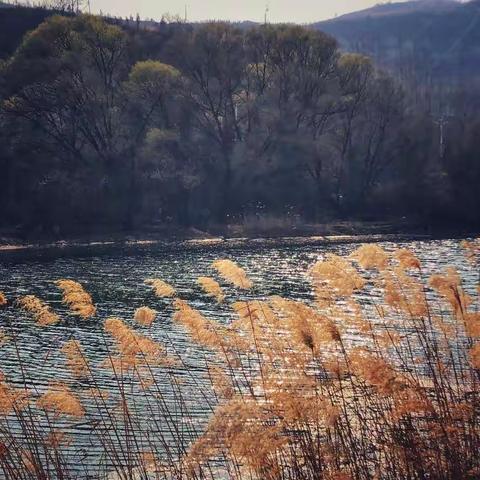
point(70, 6)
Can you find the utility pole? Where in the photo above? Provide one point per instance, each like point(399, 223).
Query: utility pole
point(267, 9)
point(186, 13)
point(442, 122)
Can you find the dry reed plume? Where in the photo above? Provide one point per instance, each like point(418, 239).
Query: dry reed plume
point(407, 259)
point(232, 273)
point(212, 288)
point(76, 298)
point(161, 288)
point(202, 330)
point(336, 275)
point(134, 349)
point(4, 338)
point(3, 299)
point(370, 256)
point(40, 310)
point(145, 316)
point(338, 388)
point(60, 400)
point(472, 250)
point(76, 360)
point(11, 399)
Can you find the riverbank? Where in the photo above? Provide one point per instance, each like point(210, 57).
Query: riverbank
point(233, 236)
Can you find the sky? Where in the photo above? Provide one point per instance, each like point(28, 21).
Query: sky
point(298, 11)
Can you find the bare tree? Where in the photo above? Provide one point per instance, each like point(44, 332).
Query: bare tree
point(70, 6)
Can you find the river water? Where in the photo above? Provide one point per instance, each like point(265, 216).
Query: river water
point(115, 279)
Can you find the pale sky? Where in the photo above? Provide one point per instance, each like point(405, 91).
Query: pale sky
point(299, 11)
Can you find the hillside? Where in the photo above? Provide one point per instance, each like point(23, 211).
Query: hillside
point(421, 40)
point(400, 8)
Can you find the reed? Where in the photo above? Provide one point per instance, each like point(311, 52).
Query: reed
point(145, 316)
point(211, 288)
point(161, 288)
point(39, 310)
point(233, 274)
point(337, 388)
point(77, 299)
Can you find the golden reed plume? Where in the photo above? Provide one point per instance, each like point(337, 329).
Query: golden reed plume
point(40, 310)
point(472, 250)
point(3, 299)
point(60, 400)
point(233, 274)
point(145, 316)
point(407, 259)
point(76, 298)
point(202, 330)
point(4, 338)
point(161, 288)
point(475, 356)
point(370, 256)
point(11, 399)
point(212, 288)
point(134, 349)
point(335, 276)
point(76, 360)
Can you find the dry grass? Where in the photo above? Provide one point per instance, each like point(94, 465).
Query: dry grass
point(295, 396)
point(211, 288)
point(233, 274)
point(145, 316)
point(75, 359)
point(161, 288)
point(39, 309)
point(60, 400)
point(77, 299)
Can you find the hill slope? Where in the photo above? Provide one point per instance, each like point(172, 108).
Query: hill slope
point(400, 8)
point(422, 40)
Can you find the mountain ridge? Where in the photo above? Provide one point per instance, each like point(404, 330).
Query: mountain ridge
point(423, 45)
point(397, 8)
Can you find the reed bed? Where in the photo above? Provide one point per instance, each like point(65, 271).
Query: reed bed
point(337, 388)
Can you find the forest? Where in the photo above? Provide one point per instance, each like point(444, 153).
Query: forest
point(117, 124)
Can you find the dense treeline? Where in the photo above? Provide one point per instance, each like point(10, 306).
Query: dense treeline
point(122, 126)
